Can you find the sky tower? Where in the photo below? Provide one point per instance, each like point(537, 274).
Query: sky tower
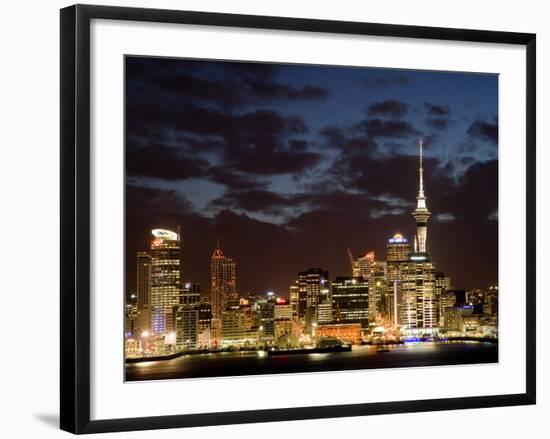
point(421, 213)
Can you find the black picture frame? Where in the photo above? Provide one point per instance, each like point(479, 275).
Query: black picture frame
point(75, 217)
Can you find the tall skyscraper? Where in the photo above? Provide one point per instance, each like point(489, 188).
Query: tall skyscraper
point(350, 300)
point(294, 294)
point(398, 250)
point(143, 291)
point(419, 308)
point(421, 213)
point(375, 272)
point(223, 282)
point(187, 327)
point(165, 280)
point(205, 320)
point(378, 278)
point(313, 289)
point(442, 284)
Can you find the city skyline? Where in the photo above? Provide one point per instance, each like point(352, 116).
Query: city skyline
point(258, 218)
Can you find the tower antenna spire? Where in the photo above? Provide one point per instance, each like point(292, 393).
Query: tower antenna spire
point(421, 171)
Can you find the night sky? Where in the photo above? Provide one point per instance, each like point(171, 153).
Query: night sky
point(289, 165)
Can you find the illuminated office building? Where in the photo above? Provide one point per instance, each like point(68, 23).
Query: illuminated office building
point(143, 291)
point(419, 308)
point(223, 282)
point(442, 285)
point(491, 301)
point(324, 312)
point(204, 326)
point(236, 325)
point(313, 289)
point(187, 327)
point(447, 299)
point(131, 316)
point(294, 294)
point(165, 280)
point(378, 280)
point(191, 293)
point(361, 266)
point(265, 309)
point(284, 322)
point(398, 250)
point(350, 300)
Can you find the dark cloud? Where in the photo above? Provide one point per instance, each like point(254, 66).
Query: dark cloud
point(438, 123)
point(390, 107)
point(164, 162)
point(386, 82)
point(233, 180)
point(293, 195)
point(437, 110)
point(228, 85)
point(336, 137)
point(484, 131)
point(376, 128)
point(254, 201)
point(253, 142)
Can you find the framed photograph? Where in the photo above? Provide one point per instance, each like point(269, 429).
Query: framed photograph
point(268, 219)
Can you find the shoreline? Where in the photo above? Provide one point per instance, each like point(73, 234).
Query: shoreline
point(133, 360)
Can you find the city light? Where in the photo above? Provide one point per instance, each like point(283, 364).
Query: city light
point(401, 300)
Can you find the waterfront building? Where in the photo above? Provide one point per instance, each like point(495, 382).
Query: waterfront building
point(324, 313)
point(442, 285)
point(165, 280)
point(131, 347)
point(236, 327)
point(204, 340)
point(284, 322)
point(265, 309)
point(313, 289)
point(491, 301)
point(350, 300)
point(446, 300)
point(419, 308)
point(131, 316)
point(294, 294)
point(187, 327)
point(476, 297)
point(143, 291)
point(282, 310)
point(347, 332)
point(454, 317)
